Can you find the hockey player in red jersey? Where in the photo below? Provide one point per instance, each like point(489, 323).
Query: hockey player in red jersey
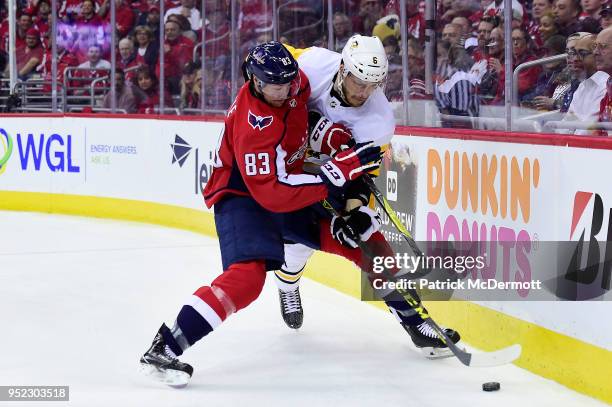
point(257, 176)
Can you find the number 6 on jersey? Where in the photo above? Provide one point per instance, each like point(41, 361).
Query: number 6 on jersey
point(257, 163)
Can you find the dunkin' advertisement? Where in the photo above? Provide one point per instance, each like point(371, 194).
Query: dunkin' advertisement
point(493, 222)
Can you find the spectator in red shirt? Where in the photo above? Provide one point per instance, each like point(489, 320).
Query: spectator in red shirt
point(148, 87)
point(603, 61)
point(538, 10)
point(24, 23)
point(370, 11)
point(522, 51)
point(178, 51)
point(217, 34)
point(43, 18)
point(30, 56)
point(188, 10)
point(88, 15)
point(124, 18)
point(64, 59)
point(127, 59)
point(591, 8)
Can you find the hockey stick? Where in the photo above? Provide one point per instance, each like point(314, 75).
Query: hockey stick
point(484, 359)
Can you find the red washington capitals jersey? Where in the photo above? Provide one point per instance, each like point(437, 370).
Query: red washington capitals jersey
point(261, 153)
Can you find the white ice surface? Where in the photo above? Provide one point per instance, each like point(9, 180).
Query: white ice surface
point(80, 301)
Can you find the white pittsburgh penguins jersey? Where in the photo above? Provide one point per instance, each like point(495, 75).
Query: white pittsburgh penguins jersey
point(372, 121)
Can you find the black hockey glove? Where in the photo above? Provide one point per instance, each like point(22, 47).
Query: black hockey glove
point(357, 227)
point(358, 189)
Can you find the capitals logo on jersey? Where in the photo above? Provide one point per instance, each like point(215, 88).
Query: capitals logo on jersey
point(259, 122)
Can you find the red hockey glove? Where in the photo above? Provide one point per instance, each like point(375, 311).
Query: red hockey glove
point(349, 164)
point(328, 137)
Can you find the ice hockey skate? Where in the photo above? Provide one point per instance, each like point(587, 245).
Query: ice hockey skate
point(160, 363)
point(427, 341)
point(291, 308)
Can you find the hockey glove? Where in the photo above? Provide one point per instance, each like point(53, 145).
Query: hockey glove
point(350, 164)
point(360, 224)
point(328, 137)
point(358, 190)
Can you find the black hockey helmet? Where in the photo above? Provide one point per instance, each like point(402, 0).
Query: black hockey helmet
point(271, 63)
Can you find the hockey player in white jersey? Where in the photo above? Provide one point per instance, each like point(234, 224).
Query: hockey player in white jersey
point(347, 99)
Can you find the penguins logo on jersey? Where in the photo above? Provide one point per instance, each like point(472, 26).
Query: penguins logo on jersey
point(259, 122)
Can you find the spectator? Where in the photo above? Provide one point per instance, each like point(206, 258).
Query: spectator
point(188, 10)
point(522, 51)
point(489, 73)
point(464, 23)
point(603, 60)
point(591, 9)
point(393, 87)
point(178, 50)
point(42, 21)
point(547, 27)
point(123, 93)
point(343, 29)
point(88, 15)
point(185, 26)
point(94, 68)
point(541, 96)
point(24, 23)
point(416, 62)
point(94, 60)
point(151, 19)
point(30, 56)
point(217, 34)
point(191, 86)
point(64, 60)
point(587, 98)
point(148, 46)
point(124, 18)
point(575, 70)
point(127, 59)
point(606, 16)
point(451, 35)
point(457, 96)
point(148, 87)
point(370, 11)
point(566, 14)
point(539, 8)
point(484, 35)
point(391, 45)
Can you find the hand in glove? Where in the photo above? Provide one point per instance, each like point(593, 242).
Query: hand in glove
point(357, 227)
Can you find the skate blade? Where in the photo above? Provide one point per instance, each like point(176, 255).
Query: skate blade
point(437, 353)
point(172, 378)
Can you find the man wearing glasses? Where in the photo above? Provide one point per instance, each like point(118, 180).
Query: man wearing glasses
point(588, 96)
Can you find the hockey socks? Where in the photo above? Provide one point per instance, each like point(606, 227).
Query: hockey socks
point(208, 307)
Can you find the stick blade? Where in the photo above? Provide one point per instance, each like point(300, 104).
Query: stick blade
point(498, 358)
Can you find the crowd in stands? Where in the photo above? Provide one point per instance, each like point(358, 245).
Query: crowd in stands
point(469, 66)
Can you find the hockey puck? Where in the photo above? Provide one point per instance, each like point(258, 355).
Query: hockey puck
point(490, 386)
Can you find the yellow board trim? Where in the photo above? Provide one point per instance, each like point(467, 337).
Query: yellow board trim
point(578, 365)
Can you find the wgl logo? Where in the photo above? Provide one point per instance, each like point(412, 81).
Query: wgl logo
point(392, 186)
point(583, 270)
point(7, 149)
point(53, 150)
